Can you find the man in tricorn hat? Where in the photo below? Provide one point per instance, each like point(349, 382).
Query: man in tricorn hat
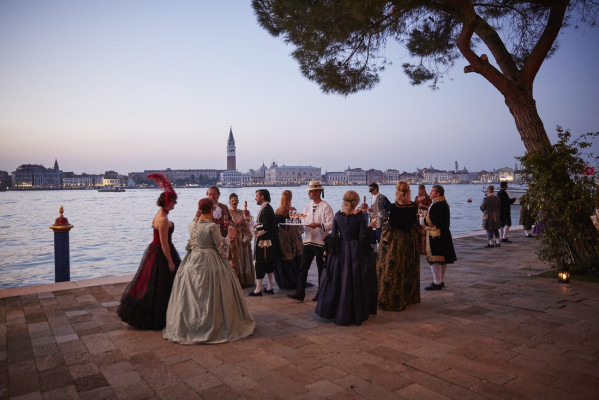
point(319, 222)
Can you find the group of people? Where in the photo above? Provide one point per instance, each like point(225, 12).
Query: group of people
point(367, 258)
point(497, 216)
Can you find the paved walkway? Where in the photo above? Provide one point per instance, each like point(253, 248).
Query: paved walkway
point(496, 331)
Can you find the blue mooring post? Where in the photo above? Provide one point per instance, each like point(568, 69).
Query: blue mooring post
point(62, 262)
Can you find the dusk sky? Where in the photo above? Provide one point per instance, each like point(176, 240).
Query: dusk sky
point(129, 85)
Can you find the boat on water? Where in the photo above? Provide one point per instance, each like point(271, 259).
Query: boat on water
point(515, 190)
point(112, 189)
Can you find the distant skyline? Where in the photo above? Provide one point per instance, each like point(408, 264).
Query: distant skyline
point(134, 85)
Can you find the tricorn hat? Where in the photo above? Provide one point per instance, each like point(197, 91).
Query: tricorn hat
point(314, 185)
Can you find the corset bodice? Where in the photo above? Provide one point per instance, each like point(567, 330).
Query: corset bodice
point(156, 239)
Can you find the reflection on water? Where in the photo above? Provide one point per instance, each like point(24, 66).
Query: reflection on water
point(111, 230)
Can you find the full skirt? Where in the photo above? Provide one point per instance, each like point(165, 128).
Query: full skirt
point(398, 269)
point(145, 300)
point(347, 292)
point(207, 304)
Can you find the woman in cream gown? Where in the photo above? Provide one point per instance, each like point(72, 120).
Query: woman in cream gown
point(206, 303)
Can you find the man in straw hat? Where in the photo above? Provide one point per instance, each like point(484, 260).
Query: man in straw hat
point(319, 221)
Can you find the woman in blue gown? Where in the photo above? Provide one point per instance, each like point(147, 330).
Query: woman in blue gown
point(347, 293)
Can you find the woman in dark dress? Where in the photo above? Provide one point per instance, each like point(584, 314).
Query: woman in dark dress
point(398, 265)
point(290, 241)
point(145, 300)
point(347, 293)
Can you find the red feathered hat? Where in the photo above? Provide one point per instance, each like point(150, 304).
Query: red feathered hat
point(165, 185)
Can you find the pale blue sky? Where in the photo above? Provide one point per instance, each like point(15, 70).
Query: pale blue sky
point(132, 85)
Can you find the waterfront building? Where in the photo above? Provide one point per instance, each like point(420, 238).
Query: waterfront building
point(410, 177)
point(34, 176)
point(488, 176)
point(506, 174)
point(291, 174)
point(375, 175)
point(432, 175)
point(4, 180)
point(74, 181)
point(231, 158)
point(335, 178)
point(391, 176)
point(235, 178)
point(180, 177)
point(257, 176)
point(356, 176)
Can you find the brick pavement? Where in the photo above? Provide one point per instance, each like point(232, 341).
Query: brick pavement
point(496, 331)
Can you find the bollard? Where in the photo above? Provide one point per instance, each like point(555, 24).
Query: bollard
point(62, 263)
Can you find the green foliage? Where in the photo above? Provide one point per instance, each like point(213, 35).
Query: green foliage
point(341, 44)
point(564, 199)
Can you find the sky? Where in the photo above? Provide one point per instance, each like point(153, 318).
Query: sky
point(130, 85)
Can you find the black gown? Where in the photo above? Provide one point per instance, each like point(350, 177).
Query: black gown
point(145, 300)
point(348, 289)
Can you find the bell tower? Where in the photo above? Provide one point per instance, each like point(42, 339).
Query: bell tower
point(231, 152)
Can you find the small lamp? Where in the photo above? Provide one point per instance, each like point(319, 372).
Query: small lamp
point(563, 276)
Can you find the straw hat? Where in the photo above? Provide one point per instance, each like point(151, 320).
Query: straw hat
point(314, 185)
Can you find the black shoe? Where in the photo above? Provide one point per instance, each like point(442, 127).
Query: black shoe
point(315, 298)
point(497, 245)
point(266, 291)
point(506, 240)
point(529, 236)
point(296, 296)
point(433, 286)
point(254, 294)
point(442, 284)
point(489, 246)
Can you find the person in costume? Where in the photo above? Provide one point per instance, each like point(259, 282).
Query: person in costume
point(265, 244)
point(145, 300)
point(439, 243)
point(319, 221)
point(206, 304)
point(490, 208)
point(527, 219)
point(379, 210)
point(220, 212)
point(290, 245)
point(347, 293)
point(423, 201)
point(398, 265)
point(505, 212)
point(241, 243)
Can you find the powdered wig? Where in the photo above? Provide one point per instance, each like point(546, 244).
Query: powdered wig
point(350, 201)
point(402, 192)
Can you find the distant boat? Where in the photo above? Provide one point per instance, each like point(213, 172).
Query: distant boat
point(515, 190)
point(112, 189)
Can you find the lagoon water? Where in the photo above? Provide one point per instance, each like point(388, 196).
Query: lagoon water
point(111, 230)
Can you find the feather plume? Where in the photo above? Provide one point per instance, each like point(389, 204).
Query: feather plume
point(165, 185)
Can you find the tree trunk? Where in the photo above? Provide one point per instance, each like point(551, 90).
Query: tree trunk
point(584, 252)
point(528, 122)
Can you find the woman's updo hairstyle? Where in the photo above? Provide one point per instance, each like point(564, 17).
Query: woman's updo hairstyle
point(161, 202)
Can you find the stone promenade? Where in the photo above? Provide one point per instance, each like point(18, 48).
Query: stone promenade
point(495, 332)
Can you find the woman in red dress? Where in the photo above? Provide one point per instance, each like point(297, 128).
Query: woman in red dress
point(145, 300)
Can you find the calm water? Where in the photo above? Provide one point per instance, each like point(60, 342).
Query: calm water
point(111, 230)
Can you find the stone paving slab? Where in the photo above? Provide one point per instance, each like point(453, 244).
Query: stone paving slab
point(495, 332)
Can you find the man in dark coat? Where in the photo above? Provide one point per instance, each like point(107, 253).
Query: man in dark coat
point(266, 235)
point(505, 215)
point(439, 244)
